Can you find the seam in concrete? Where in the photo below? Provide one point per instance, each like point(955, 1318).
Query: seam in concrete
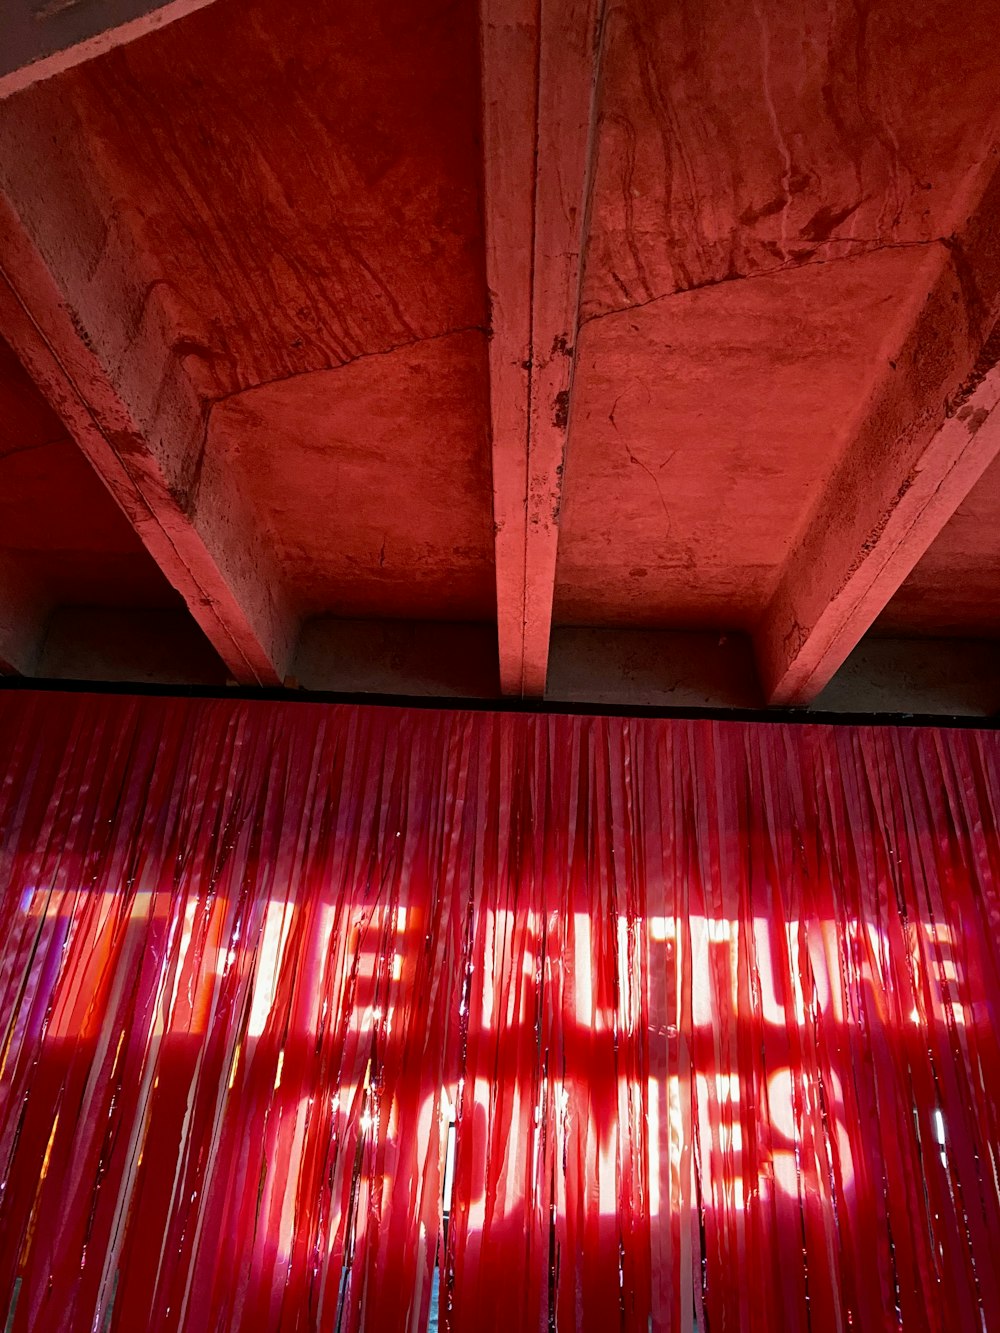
point(349, 361)
point(30, 448)
point(791, 267)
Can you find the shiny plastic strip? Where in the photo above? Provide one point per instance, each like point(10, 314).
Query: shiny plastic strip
point(336, 1018)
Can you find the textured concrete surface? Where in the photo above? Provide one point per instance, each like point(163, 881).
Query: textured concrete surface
point(384, 315)
point(144, 647)
point(953, 677)
point(652, 668)
point(422, 659)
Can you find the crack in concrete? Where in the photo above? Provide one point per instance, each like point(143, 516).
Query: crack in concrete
point(639, 463)
point(790, 267)
point(350, 361)
point(30, 448)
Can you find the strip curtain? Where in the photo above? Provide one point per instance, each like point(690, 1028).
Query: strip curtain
point(708, 1012)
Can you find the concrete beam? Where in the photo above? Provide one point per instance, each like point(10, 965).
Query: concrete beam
point(41, 38)
point(926, 435)
point(140, 424)
point(540, 70)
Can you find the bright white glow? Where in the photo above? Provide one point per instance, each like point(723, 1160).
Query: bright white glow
point(939, 1127)
point(142, 901)
point(794, 963)
point(785, 1173)
point(582, 978)
point(449, 1168)
point(719, 929)
point(662, 928)
point(728, 1087)
point(653, 1142)
point(938, 932)
point(277, 920)
point(781, 1103)
point(701, 979)
point(607, 1178)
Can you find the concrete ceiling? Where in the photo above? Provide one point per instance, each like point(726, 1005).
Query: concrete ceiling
point(599, 350)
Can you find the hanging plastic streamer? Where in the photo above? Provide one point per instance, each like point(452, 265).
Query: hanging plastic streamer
point(314, 1016)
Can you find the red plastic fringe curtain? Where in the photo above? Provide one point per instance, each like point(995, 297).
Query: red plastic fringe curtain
point(712, 1006)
